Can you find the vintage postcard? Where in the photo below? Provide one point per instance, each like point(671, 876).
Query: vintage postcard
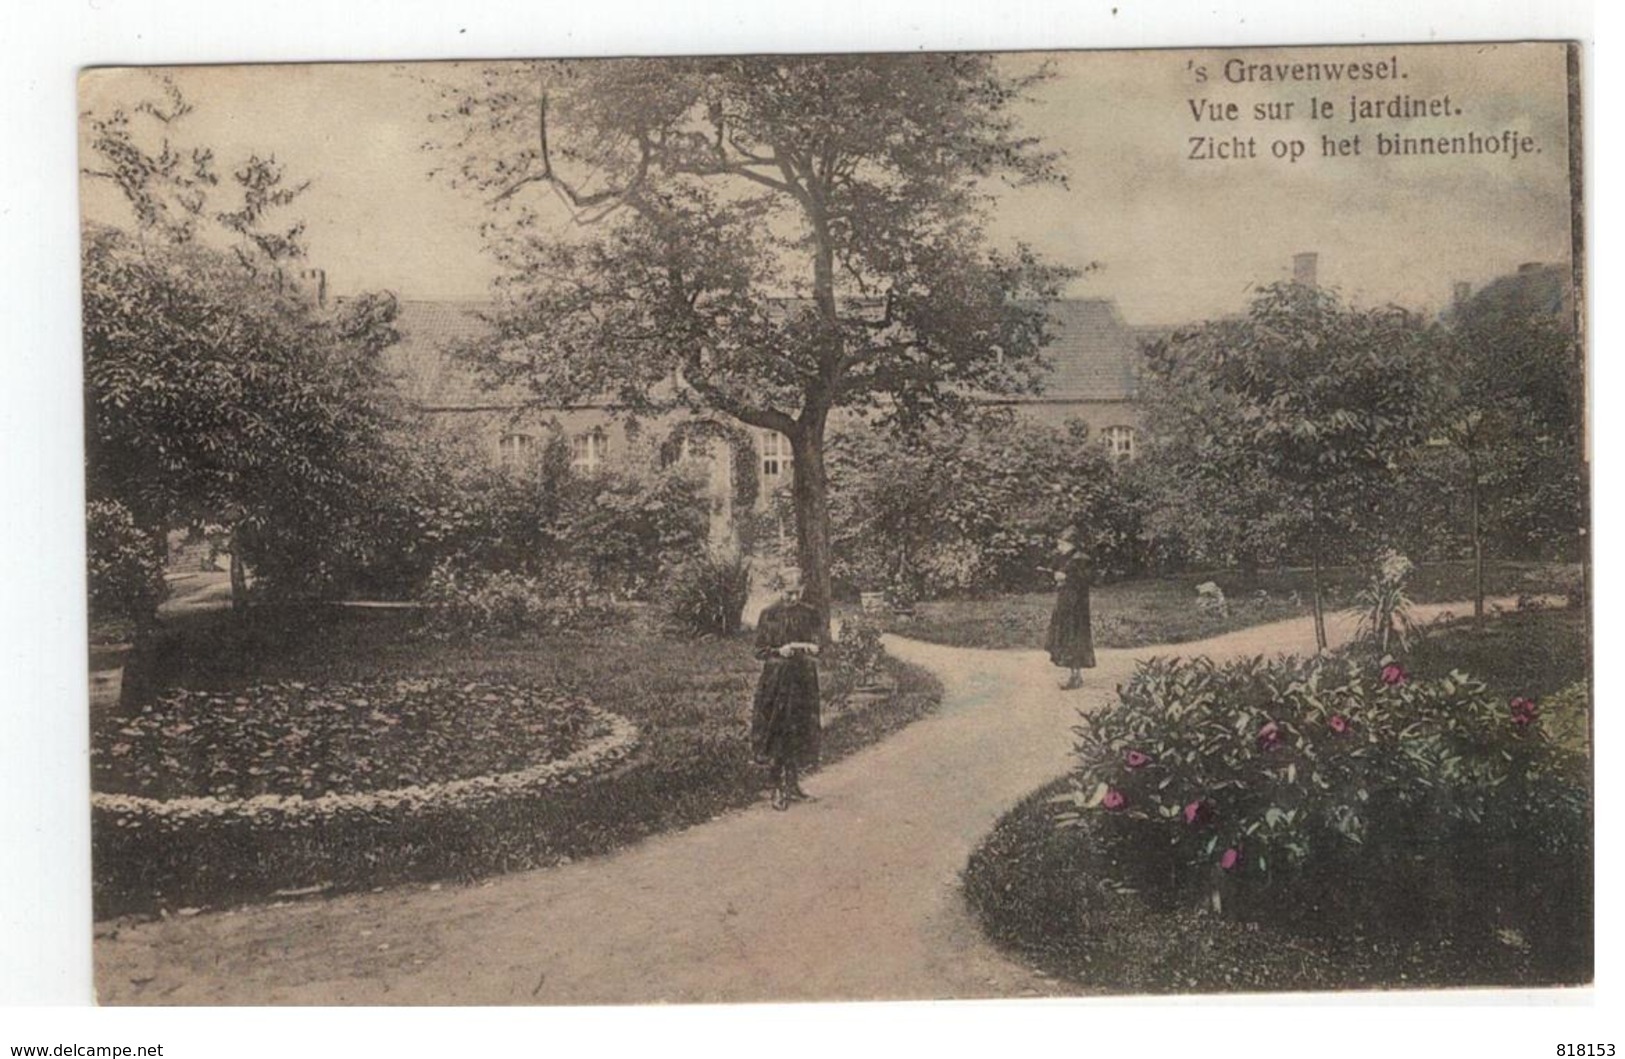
point(838, 527)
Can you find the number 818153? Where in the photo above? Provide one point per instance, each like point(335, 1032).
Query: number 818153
point(1584, 1051)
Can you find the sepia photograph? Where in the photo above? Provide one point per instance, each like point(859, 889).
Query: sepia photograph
point(932, 525)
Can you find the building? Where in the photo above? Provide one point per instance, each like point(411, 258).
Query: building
point(1094, 358)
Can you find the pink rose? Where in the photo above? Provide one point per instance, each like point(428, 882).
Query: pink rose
point(1230, 858)
point(1134, 759)
point(1114, 799)
point(1269, 736)
point(1393, 674)
point(1199, 812)
point(1338, 723)
point(1524, 711)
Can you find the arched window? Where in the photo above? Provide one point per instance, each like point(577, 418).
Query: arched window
point(589, 451)
point(1119, 442)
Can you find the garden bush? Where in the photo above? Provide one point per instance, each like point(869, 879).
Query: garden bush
point(126, 568)
point(706, 595)
point(853, 661)
point(474, 604)
point(976, 506)
point(1329, 791)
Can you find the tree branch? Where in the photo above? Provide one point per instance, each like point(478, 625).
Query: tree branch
point(693, 375)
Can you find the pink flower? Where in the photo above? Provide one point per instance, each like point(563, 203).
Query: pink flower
point(1134, 759)
point(1338, 723)
point(1199, 812)
point(1524, 711)
point(1230, 858)
point(1269, 736)
point(1393, 674)
point(1114, 799)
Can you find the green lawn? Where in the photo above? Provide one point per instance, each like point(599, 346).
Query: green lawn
point(1154, 611)
point(690, 699)
point(1531, 653)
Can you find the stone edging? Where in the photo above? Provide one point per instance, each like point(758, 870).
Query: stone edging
point(597, 756)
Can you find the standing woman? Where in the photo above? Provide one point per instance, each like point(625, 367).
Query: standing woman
point(784, 723)
point(1070, 642)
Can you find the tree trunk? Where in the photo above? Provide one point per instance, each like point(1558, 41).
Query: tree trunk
point(239, 584)
point(810, 492)
point(1314, 578)
point(139, 679)
point(1478, 539)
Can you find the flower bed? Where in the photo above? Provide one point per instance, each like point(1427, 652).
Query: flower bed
point(1326, 823)
point(291, 750)
point(688, 698)
point(1321, 795)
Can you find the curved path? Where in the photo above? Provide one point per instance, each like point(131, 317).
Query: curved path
point(854, 896)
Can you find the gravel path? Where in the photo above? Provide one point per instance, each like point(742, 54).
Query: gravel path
point(854, 896)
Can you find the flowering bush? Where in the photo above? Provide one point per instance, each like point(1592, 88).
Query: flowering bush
point(1325, 779)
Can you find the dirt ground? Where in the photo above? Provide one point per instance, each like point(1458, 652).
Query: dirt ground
point(854, 896)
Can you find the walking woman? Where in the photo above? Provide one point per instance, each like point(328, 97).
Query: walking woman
point(784, 724)
point(1070, 642)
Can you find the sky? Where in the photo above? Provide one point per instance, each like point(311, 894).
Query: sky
point(1174, 239)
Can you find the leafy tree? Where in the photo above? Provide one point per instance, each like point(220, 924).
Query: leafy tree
point(1510, 402)
point(126, 570)
point(1288, 423)
point(771, 239)
point(977, 504)
point(216, 392)
point(214, 398)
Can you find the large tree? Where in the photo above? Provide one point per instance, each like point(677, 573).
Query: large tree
point(217, 392)
point(771, 239)
point(1290, 422)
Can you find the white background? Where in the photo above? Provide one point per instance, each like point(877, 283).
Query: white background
point(44, 819)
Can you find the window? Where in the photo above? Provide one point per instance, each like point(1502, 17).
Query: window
point(516, 450)
point(1119, 442)
point(775, 454)
point(589, 451)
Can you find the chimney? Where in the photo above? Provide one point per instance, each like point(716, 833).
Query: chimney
point(1460, 292)
point(318, 277)
point(1303, 268)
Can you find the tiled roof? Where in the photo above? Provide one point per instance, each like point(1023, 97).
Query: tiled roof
point(1093, 353)
point(427, 374)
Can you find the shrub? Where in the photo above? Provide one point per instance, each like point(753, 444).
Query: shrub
point(126, 570)
point(854, 661)
point(706, 596)
point(1567, 717)
point(476, 604)
point(1331, 790)
point(1384, 608)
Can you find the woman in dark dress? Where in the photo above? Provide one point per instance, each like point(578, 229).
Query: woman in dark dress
point(1070, 642)
point(784, 723)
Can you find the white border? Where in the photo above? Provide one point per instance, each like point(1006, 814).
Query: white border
point(44, 920)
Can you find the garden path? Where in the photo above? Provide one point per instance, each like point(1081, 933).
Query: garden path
point(854, 896)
